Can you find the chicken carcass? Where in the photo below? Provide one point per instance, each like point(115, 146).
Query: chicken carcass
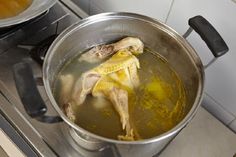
point(116, 69)
point(114, 79)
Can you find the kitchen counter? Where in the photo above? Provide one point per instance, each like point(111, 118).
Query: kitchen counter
point(205, 136)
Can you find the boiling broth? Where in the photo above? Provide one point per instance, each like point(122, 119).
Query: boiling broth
point(155, 107)
point(9, 8)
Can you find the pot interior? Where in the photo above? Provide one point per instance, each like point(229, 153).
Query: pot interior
point(107, 28)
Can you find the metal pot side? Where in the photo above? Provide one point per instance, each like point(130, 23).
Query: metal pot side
point(108, 27)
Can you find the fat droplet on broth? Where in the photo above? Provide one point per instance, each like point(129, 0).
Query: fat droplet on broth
point(157, 105)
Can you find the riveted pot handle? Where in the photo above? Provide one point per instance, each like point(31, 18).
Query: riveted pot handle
point(29, 94)
point(209, 34)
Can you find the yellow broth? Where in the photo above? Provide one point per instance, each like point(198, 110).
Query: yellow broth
point(9, 8)
point(155, 107)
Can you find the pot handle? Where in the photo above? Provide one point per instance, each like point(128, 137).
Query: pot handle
point(29, 94)
point(208, 34)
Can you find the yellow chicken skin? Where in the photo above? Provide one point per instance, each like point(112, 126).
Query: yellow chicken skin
point(116, 72)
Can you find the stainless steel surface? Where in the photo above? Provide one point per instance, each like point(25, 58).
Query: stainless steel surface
point(12, 109)
point(188, 32)
point(210, 62)
point(45, 139)
point(12, 134)
point(22, 32)
point(74, 8)
point(36, 8)
point(156, 36)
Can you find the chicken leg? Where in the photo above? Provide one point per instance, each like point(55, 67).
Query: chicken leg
point(119, 99)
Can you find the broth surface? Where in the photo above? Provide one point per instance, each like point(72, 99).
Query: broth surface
point(157, 105)
point(9, 8)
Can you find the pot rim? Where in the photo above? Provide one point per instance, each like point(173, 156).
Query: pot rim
point(112, 15)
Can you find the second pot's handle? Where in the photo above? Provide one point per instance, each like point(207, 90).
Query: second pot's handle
point(29, 94)
point(209, 34)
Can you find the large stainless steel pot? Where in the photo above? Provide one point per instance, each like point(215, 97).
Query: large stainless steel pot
point(36, 8)
point(108, 27)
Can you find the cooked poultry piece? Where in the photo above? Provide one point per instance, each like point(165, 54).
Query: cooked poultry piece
point(100, 52)
point(119, 98)
point(69, 111)
point(112, 80)
point(84, 86)
point(66, 84)
point(118, 68)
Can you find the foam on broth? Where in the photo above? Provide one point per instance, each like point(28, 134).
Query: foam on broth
point(157, 105)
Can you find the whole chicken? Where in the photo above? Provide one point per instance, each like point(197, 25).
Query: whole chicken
point(113, 79)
